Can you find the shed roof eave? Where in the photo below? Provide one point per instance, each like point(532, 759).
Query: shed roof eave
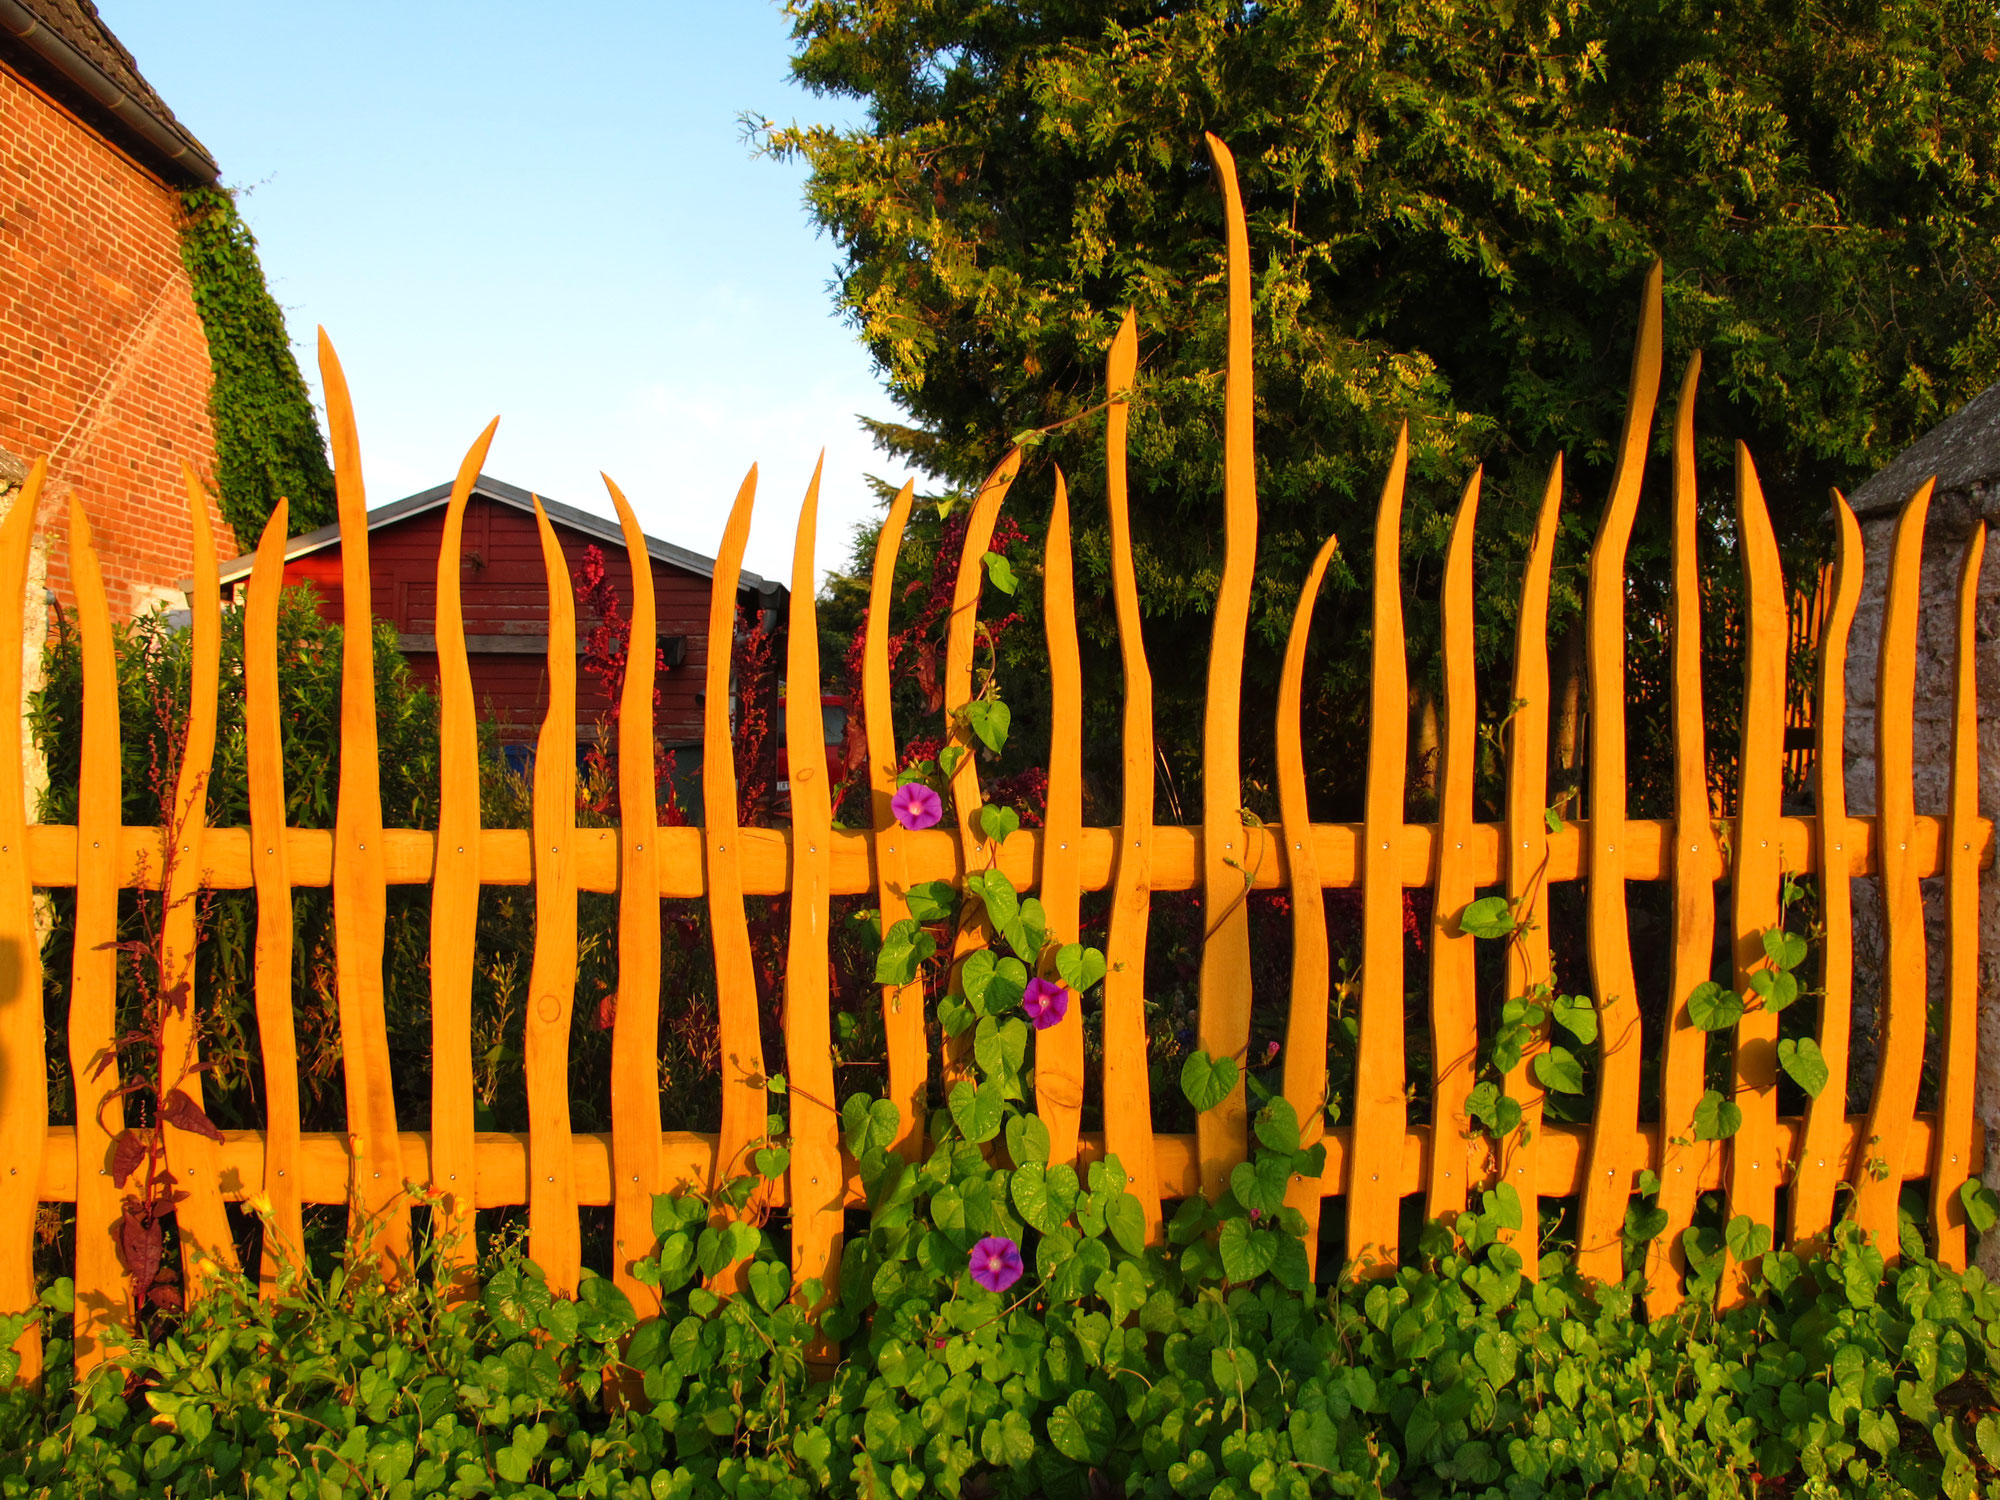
point(600, 527)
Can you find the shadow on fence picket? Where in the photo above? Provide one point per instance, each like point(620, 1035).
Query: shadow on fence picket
point(1373, 1163)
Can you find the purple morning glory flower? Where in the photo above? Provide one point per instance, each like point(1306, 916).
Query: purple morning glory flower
point(996, 1263)
point(916, 806)
point(1045, 1001)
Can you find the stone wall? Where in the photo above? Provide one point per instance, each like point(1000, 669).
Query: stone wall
point(1964, 455)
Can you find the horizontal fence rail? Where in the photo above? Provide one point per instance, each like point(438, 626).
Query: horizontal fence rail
point(1375, 1158)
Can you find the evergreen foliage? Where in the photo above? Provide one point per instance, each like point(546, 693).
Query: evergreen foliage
point(1452, 208)
point(267, 437)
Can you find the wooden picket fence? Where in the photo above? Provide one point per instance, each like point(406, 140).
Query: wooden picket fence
point(1372, 1165)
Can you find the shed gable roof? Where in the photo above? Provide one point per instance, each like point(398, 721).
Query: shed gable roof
point(498, 490)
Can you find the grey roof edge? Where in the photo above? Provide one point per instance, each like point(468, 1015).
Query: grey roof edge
point(165, 145)
point(1961, 451)
point(600, 527)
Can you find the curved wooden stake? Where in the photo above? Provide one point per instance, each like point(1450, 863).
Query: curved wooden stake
point(1821, 1163)
point(1527, 863)
point(1223, 1018)
point(902, 1005)
point(455, 898)
point(1877, 1183)
point(277, 1040)
point(1454, 998)
point(1381, 1109)
point(1951, 1151)
point(961, 645)
point(201, 1217)
point(1306, 1022)
point(103, 1294)
point(636, 1173)
point(816, 1179)
point(360, 889)
point(743, 1111)
point(554, 1237)
point(1756, 866)
point(1059, 1050)
point(1128, 1099)
point(1611, 1164)
point(24, 1072)
point(1696, 864)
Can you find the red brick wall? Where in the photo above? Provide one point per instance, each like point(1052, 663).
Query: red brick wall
point(103, 364)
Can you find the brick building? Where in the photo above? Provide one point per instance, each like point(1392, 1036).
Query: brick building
point(104, 367)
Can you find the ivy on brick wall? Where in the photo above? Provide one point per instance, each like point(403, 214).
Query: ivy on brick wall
point(267, 436)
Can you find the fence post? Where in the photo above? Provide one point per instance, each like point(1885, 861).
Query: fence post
point(1306, 1023)
point(455, 899)
point(1381, 1113)
point(1610, 1166)
point(1128, 1097)
point(1454, 1001)
point(360, 891)
point(24, 1071)
point(102, 1295)
point(635, 1029)
point(284, 1231)
point(1223, 1017)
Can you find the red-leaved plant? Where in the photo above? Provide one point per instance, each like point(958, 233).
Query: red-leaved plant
point(163, 1088)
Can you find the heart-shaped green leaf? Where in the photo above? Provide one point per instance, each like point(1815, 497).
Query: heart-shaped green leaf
point(1207, 1081)
point(1027, 1140)
point(1079, 967)
point(1786, 950)
point(770, 1283)
point(1805, 1064)
point(1711, 1007)
point(1489, 917)
point(1277, 1125)
point(932, 901)
point(1716, 1118)
point(977, 1111)
point(1559, 1070)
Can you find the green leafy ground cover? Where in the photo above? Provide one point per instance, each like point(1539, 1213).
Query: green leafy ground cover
point(1208, 1367)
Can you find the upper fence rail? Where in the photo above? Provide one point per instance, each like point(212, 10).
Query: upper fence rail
point(1374, 1161)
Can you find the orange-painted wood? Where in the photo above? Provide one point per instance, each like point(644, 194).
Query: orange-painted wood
point(1958, 1051)
point(1754, 1162)
point(1607, 1187)
point(1059, 1049)
point(103, 1295)
point(635, 1028)
point(1223, 1013)
point(1819, 1169)
point(1454, 1002)
point(743, 1111)
point(902, 1005)
point(1381, 1108)
point(455, 895)
point(24, 1071)
point(1530, 865)
point(1903, 971)
point(815, 1178)
point(1305, 1027)
point(360, 897)
point(201, 1217)
point(1696, 862)
point(1128, 1098)
point(282, 1179)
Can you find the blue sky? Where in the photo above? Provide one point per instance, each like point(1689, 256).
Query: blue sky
point(544, 213)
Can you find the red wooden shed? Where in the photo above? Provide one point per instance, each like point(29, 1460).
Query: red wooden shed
point(504, 597)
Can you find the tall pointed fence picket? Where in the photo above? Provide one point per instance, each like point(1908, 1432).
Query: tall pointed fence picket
point(1375, 1158)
